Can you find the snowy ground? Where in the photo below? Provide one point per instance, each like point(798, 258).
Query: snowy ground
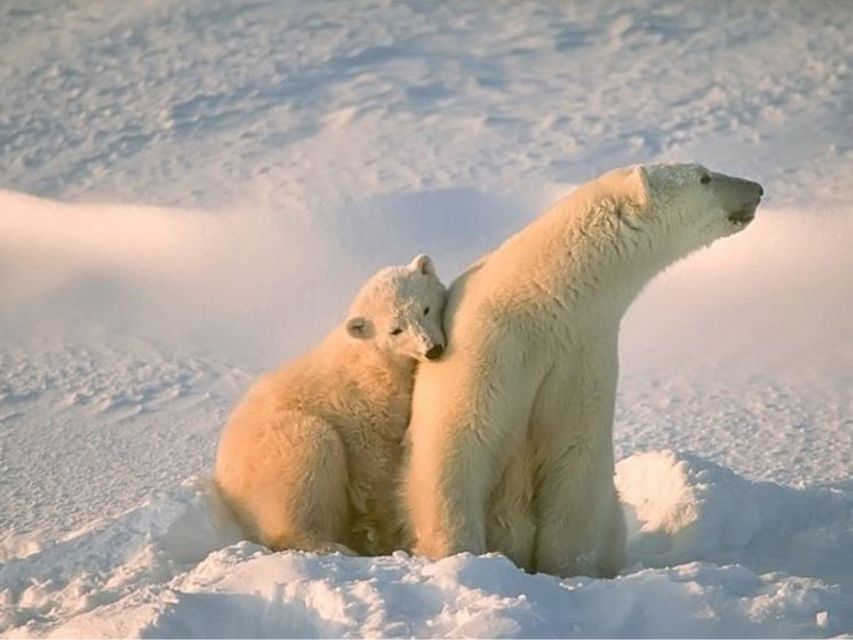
point(208, 184)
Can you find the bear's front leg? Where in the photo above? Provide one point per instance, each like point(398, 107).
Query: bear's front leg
point(445, 496)
point(469, 417)
point(580, 525)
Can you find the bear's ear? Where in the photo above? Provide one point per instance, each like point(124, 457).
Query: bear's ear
point(423, 263)
point(359, 327)
point(636, 186)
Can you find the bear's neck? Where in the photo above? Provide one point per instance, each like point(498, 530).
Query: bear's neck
point(588, 264)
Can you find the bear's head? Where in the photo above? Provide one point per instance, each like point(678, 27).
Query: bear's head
point(685, 206)
point(399, 310)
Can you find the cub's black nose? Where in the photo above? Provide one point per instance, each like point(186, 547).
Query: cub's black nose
point(435, 352)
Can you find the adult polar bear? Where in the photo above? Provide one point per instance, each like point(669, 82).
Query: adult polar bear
point(511, 431)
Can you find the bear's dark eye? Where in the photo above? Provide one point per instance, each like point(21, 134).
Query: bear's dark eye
point(705, 179)
point(397, 331)
point(426, 311)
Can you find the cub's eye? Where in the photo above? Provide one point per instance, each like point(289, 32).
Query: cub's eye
point(705, 179)
point(397, 331)
point(426, 311)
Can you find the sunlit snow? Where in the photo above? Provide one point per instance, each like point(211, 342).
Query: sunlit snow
point(191, 191)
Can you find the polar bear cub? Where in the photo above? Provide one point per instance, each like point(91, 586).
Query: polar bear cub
point(310, 458)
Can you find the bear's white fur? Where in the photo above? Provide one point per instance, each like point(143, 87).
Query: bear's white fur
point(511, 431)
point(310, 459)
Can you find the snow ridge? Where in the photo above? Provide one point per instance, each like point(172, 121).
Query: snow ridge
point(174, 568)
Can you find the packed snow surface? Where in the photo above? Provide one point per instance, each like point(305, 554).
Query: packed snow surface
point(191, 191)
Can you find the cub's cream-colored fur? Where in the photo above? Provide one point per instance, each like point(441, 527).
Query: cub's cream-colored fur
point(310, 458)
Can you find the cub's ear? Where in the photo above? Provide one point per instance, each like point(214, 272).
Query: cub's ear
point(360, 328)
point(423, 263)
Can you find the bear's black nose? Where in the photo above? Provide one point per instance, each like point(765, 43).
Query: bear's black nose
point(434, 352)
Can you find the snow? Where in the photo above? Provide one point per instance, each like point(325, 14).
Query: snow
point(190, 192)
point(737, 558)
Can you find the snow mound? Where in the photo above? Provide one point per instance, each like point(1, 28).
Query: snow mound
point(101, 563)
point(243, 592)
point(174, 567)
point(682, 508)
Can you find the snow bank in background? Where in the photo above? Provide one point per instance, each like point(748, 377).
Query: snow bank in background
point(774, 293)
point(222, 278)
point(68, 268)
point(173, 568)
point(226, 278)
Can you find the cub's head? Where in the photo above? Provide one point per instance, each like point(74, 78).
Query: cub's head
point(686, 205)
point(399, 309)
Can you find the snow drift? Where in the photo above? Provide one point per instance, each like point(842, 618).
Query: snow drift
point(174, 568)
point(70, 269)
point(246, 278)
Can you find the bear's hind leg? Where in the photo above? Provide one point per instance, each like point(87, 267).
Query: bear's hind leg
point(303, 503)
